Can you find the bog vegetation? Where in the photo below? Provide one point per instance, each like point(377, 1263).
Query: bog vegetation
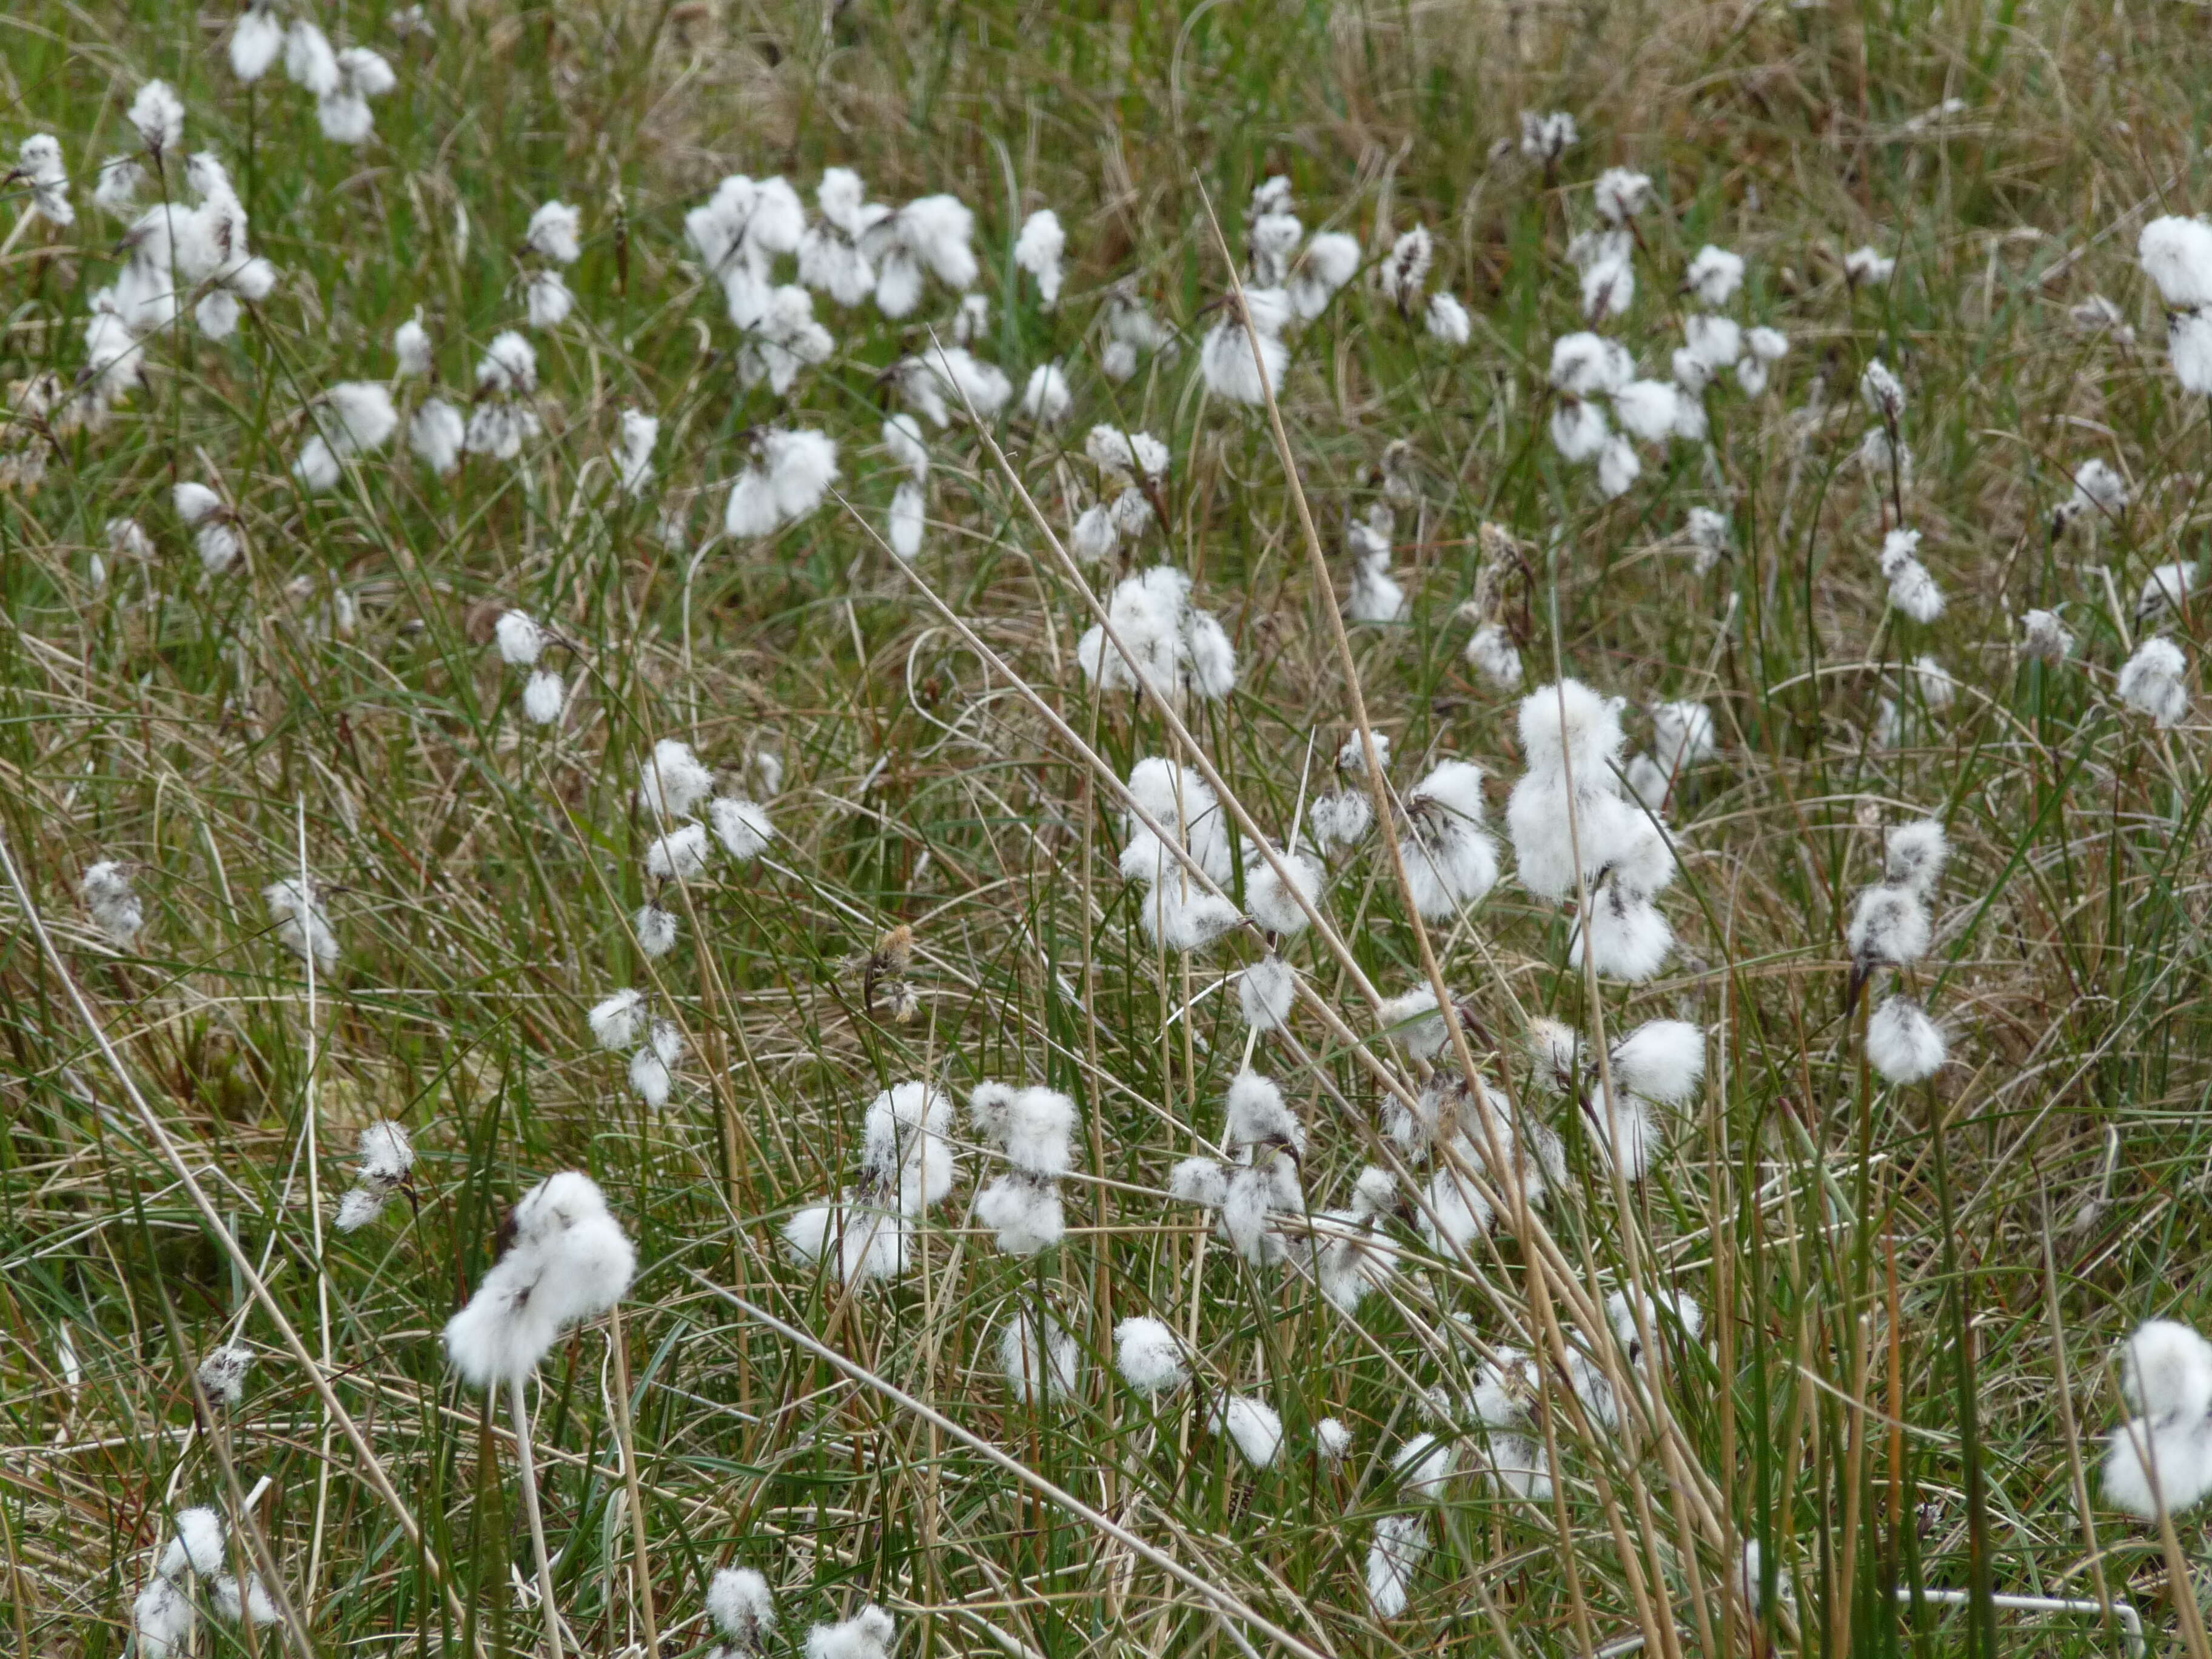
point(1317, 829)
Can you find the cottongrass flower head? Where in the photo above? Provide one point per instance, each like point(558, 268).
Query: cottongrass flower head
point(520, 639)
point(617, 1021)
point(1352, 1251)
point(1491, 652)
point(502, 419)
point(1260, 1187)
point(1278, 890)
point(1764, 347)
point(2045, 636)
point(1621, 194)
point(1183, 805)
point(1451, 859)
point(653, 1066)
point(1571, 802)
point(791, 471)
point(2151, 682)
point(354, 418)
point(1546, 137)
point(1649, 411)
point(554, 233)
point(157, 115)
point(164, 1617)
point(1226, 355)
point(868, 1634)
point(1251, 1424)
point(1503, 1403)
point(656, 929)
point(1403, 276)
point(386, 1162)
point(1035, 1128)
point(106, 892)
point(303, 927)
point(1867, 266)
point(1883, 392)
point(1149, 1356)
point(678, 855)
point(928, 237)
point(257, 41)
point(2165, 1377)
point(907, 1163)
point(549, 300)
point(2099, 495)
point(1266, 992)
point(1046, 399)
point(2166, 590)
point(742, 1609)
point(672, 781)
point(567, 1261)
point(1606, 264)
point(2176, 253)
point(1038, 250)
point(1322, 272)
point(1911, 589)
point(1424, 1467)
point(39, 164)
point(1162, 640)
point(1714, 275)
point(1039, 1358)
point(543, 696)
point(223, 1374)
point(2189, 344)
point(1715, 343)
point(1375, 596)
point(1903, 1044)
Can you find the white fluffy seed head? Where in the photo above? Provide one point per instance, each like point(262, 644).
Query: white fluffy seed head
point(1266, 992)
point(742, 826)
point(1039, 1366)
point(1714, 275)
point(386, 1152)
point(1252, 1425)
point(1411, 1021)
point(1903, 1043)
point(1199, 1181)
point(1663, 1059)
point(742, 1607)
point(868, 1634)
point(1149, 1356)
point(1889, 927)
point(1259, 1117)
point(2166, 1371)
point(2151, 682)
point(2176, 253)
point(672, 781)
point(199, 1546)
point(518, 637)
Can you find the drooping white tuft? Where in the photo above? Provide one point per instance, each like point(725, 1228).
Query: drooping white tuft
point(2151, 682)
point(1903, 1043)
point(1267, 992)
point(742, 1607)
point(1252, 1425)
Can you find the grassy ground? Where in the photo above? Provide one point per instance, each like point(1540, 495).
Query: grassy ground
point(335, 692)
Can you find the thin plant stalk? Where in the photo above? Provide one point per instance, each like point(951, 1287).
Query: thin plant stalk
point(641, 1563)
point(527, 1477)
